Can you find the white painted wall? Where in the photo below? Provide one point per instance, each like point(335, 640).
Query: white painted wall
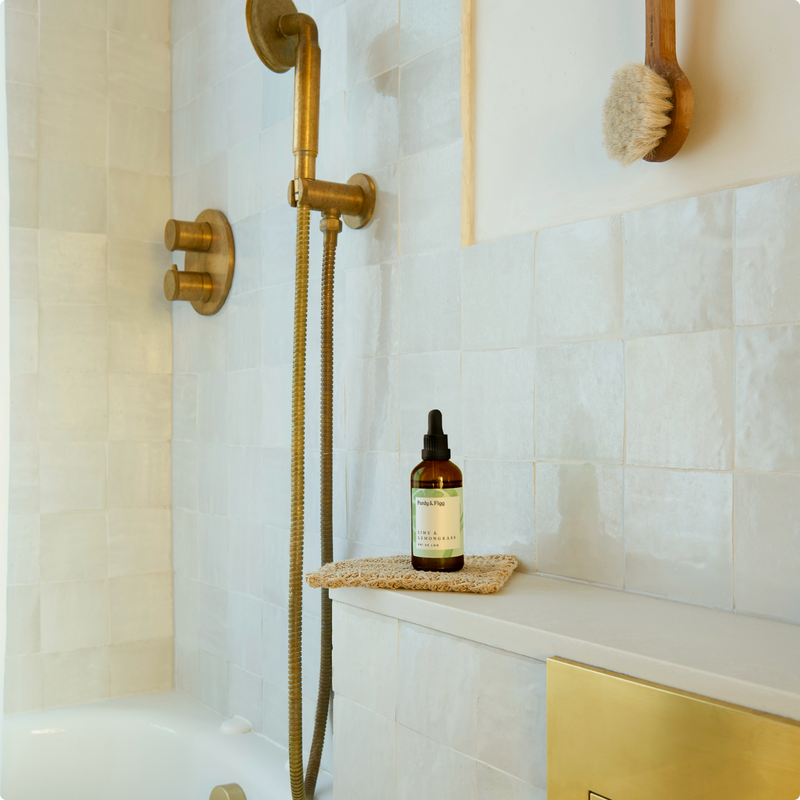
point(542, 72)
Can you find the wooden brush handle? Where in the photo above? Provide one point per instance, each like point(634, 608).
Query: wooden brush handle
point(661, 57)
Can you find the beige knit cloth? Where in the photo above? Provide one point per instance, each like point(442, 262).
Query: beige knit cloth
point(480, 574)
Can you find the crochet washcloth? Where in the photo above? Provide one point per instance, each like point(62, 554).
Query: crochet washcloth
point(480, 575)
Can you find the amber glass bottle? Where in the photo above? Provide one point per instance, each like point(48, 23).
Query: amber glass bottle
point(437, 508)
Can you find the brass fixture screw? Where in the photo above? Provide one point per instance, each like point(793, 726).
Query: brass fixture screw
point(333, 224)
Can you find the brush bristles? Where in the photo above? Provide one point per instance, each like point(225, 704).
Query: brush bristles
point(636, 113)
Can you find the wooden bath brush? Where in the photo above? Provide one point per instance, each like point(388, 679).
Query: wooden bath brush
point(649, 108)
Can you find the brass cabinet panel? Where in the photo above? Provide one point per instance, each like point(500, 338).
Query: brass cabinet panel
point(621, 738)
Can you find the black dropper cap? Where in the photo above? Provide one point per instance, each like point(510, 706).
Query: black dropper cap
point(434, 443)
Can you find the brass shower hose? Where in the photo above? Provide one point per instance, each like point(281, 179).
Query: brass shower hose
point(304, 789)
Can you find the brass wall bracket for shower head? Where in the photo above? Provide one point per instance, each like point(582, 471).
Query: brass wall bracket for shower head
point(355, 200)
point(210, 256)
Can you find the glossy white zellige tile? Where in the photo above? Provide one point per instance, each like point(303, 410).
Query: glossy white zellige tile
point(73, 127)
point(185, 545)
point(512, 718)
point(244, 180)
point(245, 696)
point(212, 478)
point(372, 38)
point(373, 311)
point(431, 220)
point(135, 273)
point(212, 681)
point(24, 684)
point(365, 658)
point(24, 408)
point(139, 138)
point(139, 407)
point(23, 182)
point(140, 339)
point(244, 331)
point(244, 101)
point(23, 478)
point(84, 12)
point(141, 667)
point(73, 267)
point(23, 549)
point(428, 381)
point(277, 165)
point(59, 184)
point(184, 74)
point(138, 71)
point(425, 25)
point(439, 773)
point(247, 237)
point(139, 541)
point(767, 544)
point(72, 57)
point(580, 402)
point(378, 242)
point(767, 264)
point(373, 404)
point(213, 620)
point(767, 411)
point(22, 47)
point(75, 677)
point(73, 546)
point(374, 494)
point(149, 19)
point(246, 557)
point(497, 401)
point(245, 626)
point(24, 264)
point(451, 667)
point(140, 607)
point(579, 282)
point(430, 99)
point(72, 476)
point(139, 475)
point(244, 406)
point(499, 509)
point(23, 128)
point(373, 130)
point(494, 784)
point(23, 635)
point(137, 204)
point(24, 322)
point(579, 531)
point(678, 266)
point(364, 752)
point(680, 400)
point(430, 302)
point(73, 406)
point(74, 615)
point(679, 535)
point(497, 293)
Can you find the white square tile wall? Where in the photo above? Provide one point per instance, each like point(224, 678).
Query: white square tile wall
point(614, 389)
point(90, 557)
point(433, 716)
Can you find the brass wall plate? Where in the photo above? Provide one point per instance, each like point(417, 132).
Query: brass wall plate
point(207, 258)
point(626, 739)
point(277, 51)
point(367, 185)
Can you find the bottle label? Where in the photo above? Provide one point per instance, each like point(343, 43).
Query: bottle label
point(437, 522)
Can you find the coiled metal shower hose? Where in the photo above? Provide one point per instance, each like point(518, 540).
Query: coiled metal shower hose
point(304, 789)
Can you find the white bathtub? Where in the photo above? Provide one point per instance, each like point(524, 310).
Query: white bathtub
point(161, 746)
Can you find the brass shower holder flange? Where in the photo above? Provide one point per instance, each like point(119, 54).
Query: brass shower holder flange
point(206, 278)
point(355, 200)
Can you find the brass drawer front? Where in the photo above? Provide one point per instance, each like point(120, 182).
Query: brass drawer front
point(633, 740)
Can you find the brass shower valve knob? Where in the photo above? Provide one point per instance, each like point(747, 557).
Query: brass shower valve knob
point(208, 269)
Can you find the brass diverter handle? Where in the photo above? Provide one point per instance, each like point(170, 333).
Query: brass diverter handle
point(208, 270)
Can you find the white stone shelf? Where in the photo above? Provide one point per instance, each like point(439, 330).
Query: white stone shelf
point(732, 657)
